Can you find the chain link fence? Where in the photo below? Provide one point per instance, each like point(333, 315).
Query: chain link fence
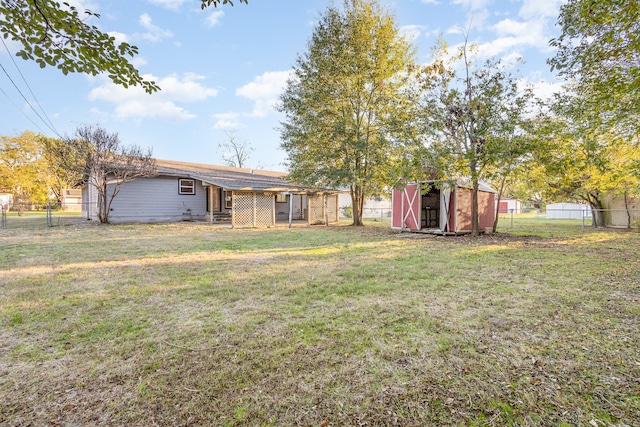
point(38, 215)
point(582, 219)
point(380, 214)
point(33, 216)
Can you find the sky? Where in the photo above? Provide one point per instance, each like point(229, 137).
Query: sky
point(221, 70)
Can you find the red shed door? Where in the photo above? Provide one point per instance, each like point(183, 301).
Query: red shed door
point(406, 208)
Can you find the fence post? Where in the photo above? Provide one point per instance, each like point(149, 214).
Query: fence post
point(49, 216)
point(3, 217)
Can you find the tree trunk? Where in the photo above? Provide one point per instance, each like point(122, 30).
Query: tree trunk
point(103, 214)
point(475, 229)
point(597, 210)
point(474, 197)
point(626, 207)
point(495, 221)
point(357, 201)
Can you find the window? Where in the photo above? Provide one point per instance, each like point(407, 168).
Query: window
point(187, 186)
point(228, 199)
point(281, 198)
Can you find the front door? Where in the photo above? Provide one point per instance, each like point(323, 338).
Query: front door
point(215, 207)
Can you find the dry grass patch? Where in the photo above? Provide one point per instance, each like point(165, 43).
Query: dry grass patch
point(188, 324)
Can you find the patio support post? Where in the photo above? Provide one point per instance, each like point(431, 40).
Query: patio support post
point(290, 209)
point(326, 209)
point(210, 192)
point(255, 210)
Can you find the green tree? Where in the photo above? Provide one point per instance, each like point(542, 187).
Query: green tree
point(574, 162)
point(474, 117)
point(599, 50)
point(58, 156)
point(23, 169)
point(105, 164)
point(348, 105)
point(59, 36)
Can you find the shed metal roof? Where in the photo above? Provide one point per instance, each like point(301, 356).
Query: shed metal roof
point(468, 184)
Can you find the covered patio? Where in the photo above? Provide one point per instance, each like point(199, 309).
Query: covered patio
point(252, 198)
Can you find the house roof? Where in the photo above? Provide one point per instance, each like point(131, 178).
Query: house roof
point(230, 178)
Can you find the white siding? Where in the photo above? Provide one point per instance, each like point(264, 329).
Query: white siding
point(372, 208)
point(513, 205)
point(157, 200)
point(90, 202)
point(618, 214)
point(568, 211)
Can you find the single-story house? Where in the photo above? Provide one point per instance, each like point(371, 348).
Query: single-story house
point(509, 205)
point(568, 211)
point(71, 200)
point(441, 207)
point(183, 191)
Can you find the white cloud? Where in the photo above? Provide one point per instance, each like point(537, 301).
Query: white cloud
point(472, 5)
point(545, 90)
point(412, 32)
point(135, 103)
point(81, 5)
point(264, 90)
point(537, 9)
point(227, 121)
point(511, 33)
point(214, 18)
point(454, 30)
point(154, 33)
point(120, 37)
point(168, 4)
point(138, 61)
point(430, 2)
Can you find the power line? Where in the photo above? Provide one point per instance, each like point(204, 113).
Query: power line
point(26, 100)
point(29, 87)
point(48, 122)
point(20, 109)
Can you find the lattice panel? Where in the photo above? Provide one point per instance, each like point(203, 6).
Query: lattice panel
point(253, 209)
point(242, 210)
point(316, 208)
point(264, 209)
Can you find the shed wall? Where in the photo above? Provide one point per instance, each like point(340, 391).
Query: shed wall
point(486, 209)
point(463, 209)
point(464, 202)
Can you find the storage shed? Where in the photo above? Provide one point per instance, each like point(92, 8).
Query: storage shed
point(509, 206)
point(441, 207)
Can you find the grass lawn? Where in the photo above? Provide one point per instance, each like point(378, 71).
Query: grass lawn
point(188, 324)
